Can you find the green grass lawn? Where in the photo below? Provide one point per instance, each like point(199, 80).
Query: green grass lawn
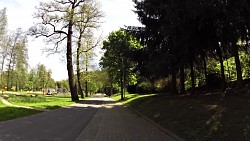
point(43, 102)
point(7, 112)
point(200, 118)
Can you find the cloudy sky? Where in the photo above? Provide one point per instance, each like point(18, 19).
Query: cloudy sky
point(117, 14)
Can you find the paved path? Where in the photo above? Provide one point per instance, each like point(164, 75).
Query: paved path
point(96, 119)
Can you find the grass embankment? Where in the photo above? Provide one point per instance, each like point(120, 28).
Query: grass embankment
point(40, 102)
point(7, 112)
point(200, 118)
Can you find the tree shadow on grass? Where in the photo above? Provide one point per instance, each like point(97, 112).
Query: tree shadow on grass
point(8, 113)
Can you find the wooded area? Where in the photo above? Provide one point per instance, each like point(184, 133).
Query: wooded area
point(187, 46)
point(183, 46)
point(190, 44)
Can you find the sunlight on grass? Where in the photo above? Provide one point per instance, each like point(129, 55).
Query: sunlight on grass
point(1, 104)
point(7, 112)
point(40, 101)
point(130, 97)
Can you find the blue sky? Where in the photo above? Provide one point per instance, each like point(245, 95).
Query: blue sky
point(117, 14)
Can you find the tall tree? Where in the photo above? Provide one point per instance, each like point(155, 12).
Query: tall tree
point(17, 40)
point(119, 48)
point(57, 22)
point(3, 21)
point(21, 69)
point(90, 19)
point(3, 42)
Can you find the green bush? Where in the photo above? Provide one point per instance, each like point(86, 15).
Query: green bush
point(144, 87)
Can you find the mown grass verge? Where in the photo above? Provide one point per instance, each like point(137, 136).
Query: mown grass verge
point(200, 118)
point(40, 101)
point(7, 112)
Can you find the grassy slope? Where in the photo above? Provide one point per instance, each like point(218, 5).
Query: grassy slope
point(200, 118)
point(44, 102)
point(7, 112)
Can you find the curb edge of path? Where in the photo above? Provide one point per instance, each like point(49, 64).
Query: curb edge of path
point(167, 132)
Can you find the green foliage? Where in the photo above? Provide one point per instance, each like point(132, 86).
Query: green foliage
point(63, 84)
point(98, 80)
point(188, 34)
point(118, 58)
point(145, 87)
point(40, 77)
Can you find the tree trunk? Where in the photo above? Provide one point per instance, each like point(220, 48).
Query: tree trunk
point(222, 69)
point(86, 88)
point(182, 79)
point(111, 88)
point(192, 77)
point(2, 66)
point(124, 84)
point(80, 91)
point(238, 65)
point(205, 69)
point(228, 70)
point(72, 85)
point(86, 81)
point(10, 68)
point(173, 88)
point(121, 83)
point(229, 73)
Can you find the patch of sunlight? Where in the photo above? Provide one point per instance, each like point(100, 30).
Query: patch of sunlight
point(109, 106)
point(211, 107)
point(137, 97)
point(215, 121)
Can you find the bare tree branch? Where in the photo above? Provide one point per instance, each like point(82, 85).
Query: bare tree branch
point(79, 2)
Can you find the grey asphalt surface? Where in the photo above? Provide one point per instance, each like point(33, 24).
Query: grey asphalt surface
point(96, 119)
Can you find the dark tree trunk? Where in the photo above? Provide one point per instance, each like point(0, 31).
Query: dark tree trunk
point(173, 88)
point(238, 65)
point(80, 91)
point(192, 77)
point(10, 68)
point(222, 69)
point(86, 69)
point(111, 88)
point(205, 69)
point(182, 79)
point(229, 73)
point(72, 85)
point(86, 88)
point(122, 85)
